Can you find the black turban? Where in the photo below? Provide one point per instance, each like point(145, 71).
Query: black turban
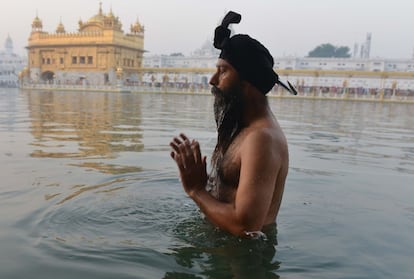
point(249, 57)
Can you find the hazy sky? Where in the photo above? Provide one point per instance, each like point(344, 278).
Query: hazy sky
point(286, 27)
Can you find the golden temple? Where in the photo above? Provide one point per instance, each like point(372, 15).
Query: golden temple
point(99, 53)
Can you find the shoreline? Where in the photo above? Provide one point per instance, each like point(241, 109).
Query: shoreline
point(333, 96)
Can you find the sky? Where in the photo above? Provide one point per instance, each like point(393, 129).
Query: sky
point(285, 27)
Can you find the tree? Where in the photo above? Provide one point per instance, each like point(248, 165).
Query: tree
point(342, 51)
point(329, 50)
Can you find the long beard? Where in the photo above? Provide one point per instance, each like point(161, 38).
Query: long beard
point(228, 109)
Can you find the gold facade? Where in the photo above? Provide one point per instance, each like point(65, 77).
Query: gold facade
point(99, 53)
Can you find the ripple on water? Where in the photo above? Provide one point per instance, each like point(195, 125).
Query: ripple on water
point(112, 218)
point(150, 224)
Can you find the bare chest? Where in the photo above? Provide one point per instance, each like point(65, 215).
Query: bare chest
point(229, 171)
point(225, 179)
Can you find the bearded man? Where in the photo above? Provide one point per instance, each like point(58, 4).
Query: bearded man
point(243, 192)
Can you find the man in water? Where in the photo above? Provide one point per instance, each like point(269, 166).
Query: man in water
point(243, 192)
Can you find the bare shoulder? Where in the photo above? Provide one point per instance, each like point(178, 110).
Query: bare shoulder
point(266, 142)
point(265, 136)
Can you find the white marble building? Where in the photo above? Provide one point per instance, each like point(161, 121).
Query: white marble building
point(354, 72)
point(206, 57)
point(10, 65)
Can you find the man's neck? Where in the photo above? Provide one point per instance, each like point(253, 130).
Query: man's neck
point(256, 107)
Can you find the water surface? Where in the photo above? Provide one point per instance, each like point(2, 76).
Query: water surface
point(88, 190)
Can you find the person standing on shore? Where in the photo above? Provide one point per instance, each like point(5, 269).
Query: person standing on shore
point(243, 192)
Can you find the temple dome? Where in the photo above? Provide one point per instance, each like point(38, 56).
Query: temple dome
point(37, 24)
point(98, 18)
point(101, 21)
point(137, 27)
point(60, 28)
point(8, 45)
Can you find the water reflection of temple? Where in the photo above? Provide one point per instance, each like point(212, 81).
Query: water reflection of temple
point(93, 128)
point(96, 54)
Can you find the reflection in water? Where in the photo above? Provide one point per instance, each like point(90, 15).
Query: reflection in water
point(83, 188)
point(108, 168)
point(91, 131)
point(88, 126)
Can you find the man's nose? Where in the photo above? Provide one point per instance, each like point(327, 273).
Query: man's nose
point(213, 80)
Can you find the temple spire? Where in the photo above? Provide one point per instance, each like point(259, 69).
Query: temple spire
point(100, 8)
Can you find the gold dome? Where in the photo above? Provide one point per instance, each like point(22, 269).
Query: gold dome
point(137, 28)
point(60, 28)
point(102, 21)
point(99, 17)
point(110, 14)
point(37, 24)
point(96, 19)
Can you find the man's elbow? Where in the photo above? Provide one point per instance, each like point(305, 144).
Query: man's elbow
point(245, 226)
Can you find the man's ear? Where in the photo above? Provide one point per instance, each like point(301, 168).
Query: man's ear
point(248, 87)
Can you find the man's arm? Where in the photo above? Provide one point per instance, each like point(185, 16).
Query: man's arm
point(259, 169)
